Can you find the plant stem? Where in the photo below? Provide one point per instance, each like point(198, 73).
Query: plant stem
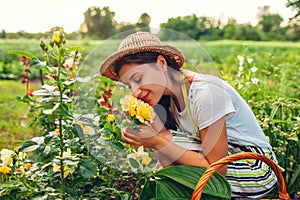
point(63, 188)
point(41, 77)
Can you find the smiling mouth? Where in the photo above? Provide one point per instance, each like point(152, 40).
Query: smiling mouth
point(145, 98)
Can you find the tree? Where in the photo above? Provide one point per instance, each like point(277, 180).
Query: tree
point(186, 25)
point(98, 22)
point(196, 28)
point(295, 5)
point(144, 21)
point(270, 23)
point(247, 32)
point(293, 32)
point(230, 29)
point(3, 34)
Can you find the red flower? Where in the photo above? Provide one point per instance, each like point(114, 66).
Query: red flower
point(23, 76)
point(25, 80)
point(27, 71)
point(109, 91)
point(50, 76)
point(25, 60)
point(74, 92)
point(70, 75)
point(30, 91)
point(102, 102)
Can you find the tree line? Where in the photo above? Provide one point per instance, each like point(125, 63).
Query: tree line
point(100, 23)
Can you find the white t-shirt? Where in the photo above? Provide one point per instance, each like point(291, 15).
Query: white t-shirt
point(211, 98)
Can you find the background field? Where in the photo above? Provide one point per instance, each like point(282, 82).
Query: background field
point(267, 77)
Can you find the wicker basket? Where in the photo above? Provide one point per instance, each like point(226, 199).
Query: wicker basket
point(245, 155)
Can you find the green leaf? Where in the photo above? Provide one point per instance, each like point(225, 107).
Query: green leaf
point(168, 189)
point(188, 176)
point(40, 196)
point(22, 53)
point(108, 126)
point(295, 176)
point(88, 169)
point(36, 63)
point(28, 146)
point(148, 191)
point(134, 163)
point(77, 130)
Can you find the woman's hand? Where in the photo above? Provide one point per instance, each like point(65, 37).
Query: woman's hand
point(151, 136)
point(147, 136)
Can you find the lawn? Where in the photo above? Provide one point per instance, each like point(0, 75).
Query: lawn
point(14, 121)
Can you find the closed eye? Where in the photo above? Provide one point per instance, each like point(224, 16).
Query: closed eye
point(137, 79)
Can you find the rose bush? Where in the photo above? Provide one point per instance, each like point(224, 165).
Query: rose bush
point(69, 159)
point(79, 154)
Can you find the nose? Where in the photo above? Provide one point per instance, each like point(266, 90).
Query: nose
point(135, 90)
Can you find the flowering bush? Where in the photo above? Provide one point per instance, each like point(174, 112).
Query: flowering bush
point(80, 154)
point(70, 159)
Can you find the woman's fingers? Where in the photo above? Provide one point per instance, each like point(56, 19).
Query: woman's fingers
point(131, 136)
point(145, 136)
point(131, 131)
point(147, 131)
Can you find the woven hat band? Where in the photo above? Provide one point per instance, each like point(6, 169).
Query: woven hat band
point(138, 40)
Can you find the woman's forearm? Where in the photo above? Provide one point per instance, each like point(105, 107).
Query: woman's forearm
point(169, 153)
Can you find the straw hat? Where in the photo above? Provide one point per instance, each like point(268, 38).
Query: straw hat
point(136, 43)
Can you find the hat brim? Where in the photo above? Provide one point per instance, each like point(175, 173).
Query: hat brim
point(107, 68)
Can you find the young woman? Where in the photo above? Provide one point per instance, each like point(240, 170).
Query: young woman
point(201, 118)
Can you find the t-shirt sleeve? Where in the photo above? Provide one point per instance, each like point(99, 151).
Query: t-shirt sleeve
point(209, 103)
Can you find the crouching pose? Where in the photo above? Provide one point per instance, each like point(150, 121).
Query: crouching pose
point(203, 118)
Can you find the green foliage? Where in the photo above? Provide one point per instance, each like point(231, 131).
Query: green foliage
point(89, 142)
point(179, 182)
point(279, 120)
point(69, 159)
point(96, 19)
point(270, 89)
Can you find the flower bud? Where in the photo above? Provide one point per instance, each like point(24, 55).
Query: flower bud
point(43, 45)
point(56, 37)
point(51, 43)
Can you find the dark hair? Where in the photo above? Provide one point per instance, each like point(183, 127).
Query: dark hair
point(151, 57)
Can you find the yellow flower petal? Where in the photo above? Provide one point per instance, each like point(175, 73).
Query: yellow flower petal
point(146, 160)
point(57, 132)
point(56, 167)
point(6, 156)
point(110, 118)
point(5, 169)
point(128, 102)
point(145, 112)
point(27, 166)
point(56, 36)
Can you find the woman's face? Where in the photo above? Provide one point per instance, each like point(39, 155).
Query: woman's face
point(146, 81)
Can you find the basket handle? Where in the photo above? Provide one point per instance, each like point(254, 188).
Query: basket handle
point(212, 168)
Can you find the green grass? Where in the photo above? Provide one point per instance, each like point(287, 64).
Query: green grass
point(13, 114)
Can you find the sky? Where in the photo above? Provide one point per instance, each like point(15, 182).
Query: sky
point(41, 15)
